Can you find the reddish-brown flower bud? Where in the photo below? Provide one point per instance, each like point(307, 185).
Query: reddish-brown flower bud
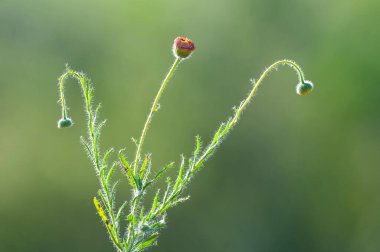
point(183, 47)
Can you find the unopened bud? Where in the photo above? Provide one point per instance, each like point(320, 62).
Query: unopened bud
point(183, 47)
point(65, 122)
point(304, 88)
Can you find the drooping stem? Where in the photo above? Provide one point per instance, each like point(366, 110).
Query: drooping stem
point(153, 109)
point(87, 93)
point(260, 80)
point(227, 126)
point(92, 148)
point(62, 95)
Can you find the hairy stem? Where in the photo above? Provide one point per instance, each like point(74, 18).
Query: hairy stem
point(87, 93)
point(92, 146)
point(153, 109)
point(155, 106)
point(260, 80)
point(227, 126)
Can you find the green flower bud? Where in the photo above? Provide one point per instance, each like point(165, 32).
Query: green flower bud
point(304, 88)
point(65, 123)
point(183, 47)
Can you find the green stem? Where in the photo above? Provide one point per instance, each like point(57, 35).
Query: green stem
point(153, 109)
point(91, 117)
point(233, 120)
point(148, 121)
point(258, 83)
point(94, 151)
point(62, 94)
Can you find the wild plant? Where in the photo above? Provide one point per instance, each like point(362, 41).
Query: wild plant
point(135, 226)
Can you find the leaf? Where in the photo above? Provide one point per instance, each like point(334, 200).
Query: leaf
point(198, 147)
point(164, 169)
point(158, 175)
point(147, 172)
point(100, 210)
point(141, 213)
point(98, 129)
point(148, 242)
point(124, 161)
point(180, 174)
point(209, 150)
point(113, 189)
point(107, 202)
point(101, 174)
point(106, 156)
point(158, 225)
point(89, 93)
point(217, 133)
point(147, 184)
point(86, 147)
point(98, 107)
point(109, 174)
point(131, 218)
point(155, 201)
point(135, 198)
point(175, 202)
point(144, 165)
point(120, 211)
point(103, 216)
point(167, 191)
point(129, 172)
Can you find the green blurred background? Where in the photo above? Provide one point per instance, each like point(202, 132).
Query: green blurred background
point(297, 174)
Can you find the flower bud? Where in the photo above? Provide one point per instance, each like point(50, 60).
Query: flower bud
point(183, 47)
point(304, 88)
point(65, 122)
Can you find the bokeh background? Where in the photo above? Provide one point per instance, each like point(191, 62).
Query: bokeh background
point(297, 174)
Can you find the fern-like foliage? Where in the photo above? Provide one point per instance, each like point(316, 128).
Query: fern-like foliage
point(130, 226)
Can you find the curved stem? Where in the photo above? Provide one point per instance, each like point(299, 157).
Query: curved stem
point(262, 77)
point(81, 80)
point(153, 109)
point(62, 94)
point(87, 93)
point(226, 127)
point(92, 147)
